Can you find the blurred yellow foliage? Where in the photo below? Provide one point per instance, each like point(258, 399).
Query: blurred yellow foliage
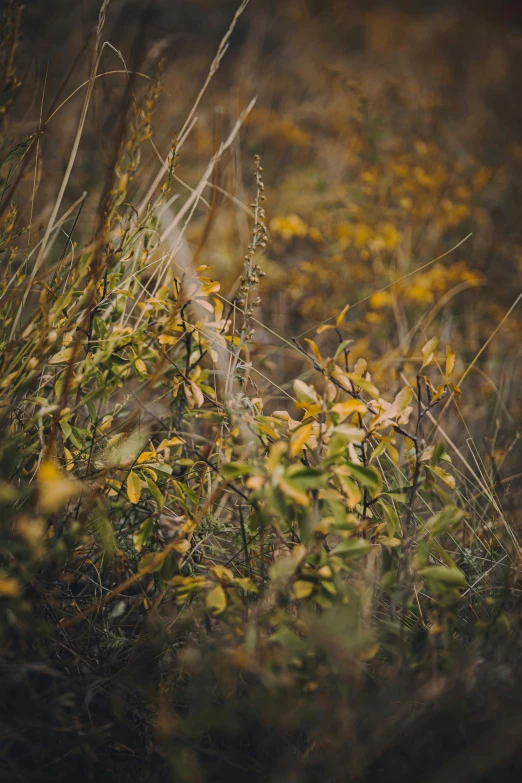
point(288, 226)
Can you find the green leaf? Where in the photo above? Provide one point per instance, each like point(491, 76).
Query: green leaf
point(117, 360)
point(389, 580)
point(306, 478)
point(448, 517)
point(444, 576)
point(399, 495)
point(160, 467)
point(155, 492)
point(78, 436)
point(363, 384)
point(235, 469)
point(66, 429)
point(298, 480)
point(289, 639)
point(169, 569)
point(447, 478)
point(104, 532)
point(142, 534)
point(188, 491)
point(393, 522)
point(352, 548)
point(341, 347)
point(147, 559)
point(369, 477)
point(100, 327)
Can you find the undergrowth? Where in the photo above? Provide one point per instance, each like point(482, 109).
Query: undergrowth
point(195, 585)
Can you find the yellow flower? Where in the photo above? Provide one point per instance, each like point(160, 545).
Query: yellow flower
point(363, 234)
point(390, 235)
point(374, 318)
point(381, 299)
point(288, 226)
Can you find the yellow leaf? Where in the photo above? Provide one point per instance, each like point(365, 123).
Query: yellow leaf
point(304, 392)
point(216, 600)
point(350, 488)
point(267, 429)
point(218, 309)
point(325, 328)
point(69, 459)
point(456, 390)
point(350, 379)
point(369, 652)
point(114, 487)
point(348, 407)
point(427, 351)
point(198, 394)
point(391, 542)
point(170, 442)
point(55, 489)
point(168, 339)
point(274, 455)
point(360, 366)
point(393, 453)
point(450, 360)
point(106, 424)
point(122, 184)
point(182, 546)
point(302, 589)
point(209, 288)
point(293, 492)
point(400, 403)
point(222, 574)
point(133, 487)
point(380, 449)
point(254, 482)
point(309, 409)
point(439, 391)
point(141, 366)
point(145, 456)
point(9, 587)
point(325, 572)
point(447, 478)
point(340, 317)
point(299, 438)
point(315, 350)
point(62, 357)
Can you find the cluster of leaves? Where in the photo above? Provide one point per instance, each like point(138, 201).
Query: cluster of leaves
point(370, 194)
point(398, 193)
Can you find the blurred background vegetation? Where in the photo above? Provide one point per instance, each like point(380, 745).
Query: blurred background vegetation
point(391, 131)
point(389, 135)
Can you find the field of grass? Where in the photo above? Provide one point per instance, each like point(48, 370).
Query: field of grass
point(259, 397)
